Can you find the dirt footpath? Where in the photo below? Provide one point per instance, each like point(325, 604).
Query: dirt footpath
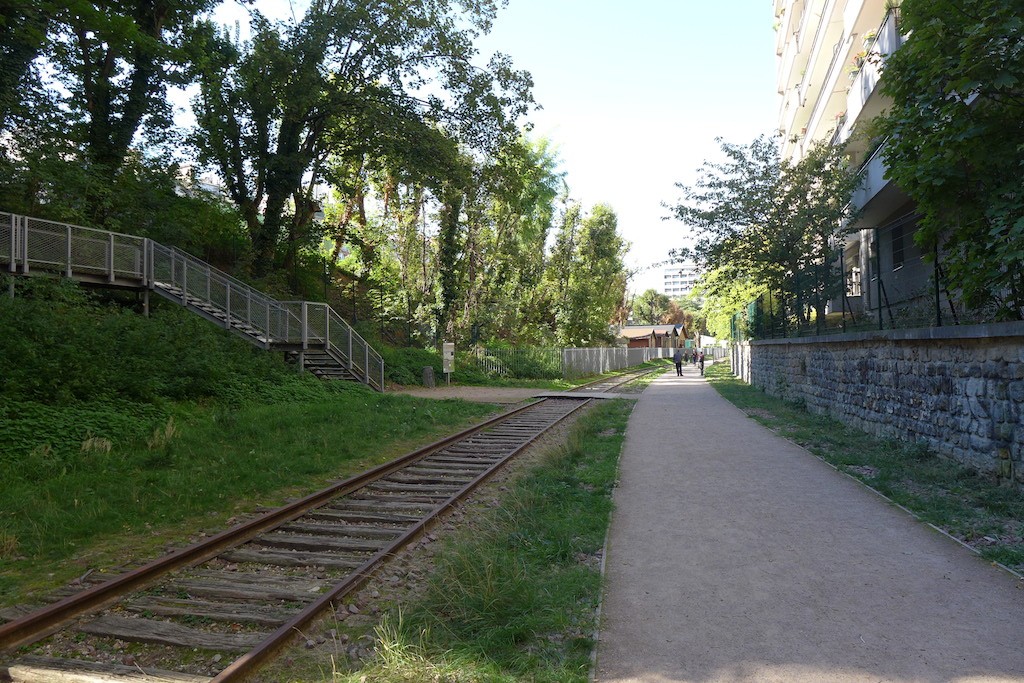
point(468, 393)
point(735, 555)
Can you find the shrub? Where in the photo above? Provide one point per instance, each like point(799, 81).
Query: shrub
point(405, 365)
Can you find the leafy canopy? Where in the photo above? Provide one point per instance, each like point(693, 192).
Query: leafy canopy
point(956, 141)
point(769, 221)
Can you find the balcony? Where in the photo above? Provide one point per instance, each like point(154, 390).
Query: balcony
point(862, 103)
point(873, 179)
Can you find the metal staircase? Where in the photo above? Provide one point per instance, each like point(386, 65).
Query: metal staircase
point(311, 333)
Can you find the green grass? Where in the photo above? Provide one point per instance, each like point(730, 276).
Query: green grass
point(514, 596)
point(969, 505)
point(65, 513)
point(120, 434)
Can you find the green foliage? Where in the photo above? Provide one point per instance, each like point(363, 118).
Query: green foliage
point(92, 78)
point(96, 351)
point(344, 79)
point(759, 218)
point(956, 141)
point(405, 365)
point(80, 366)
point(724, 295)
point(586, 277)
point(39, 441)
point(112, 423)
point(217, 456)
point(650, 307)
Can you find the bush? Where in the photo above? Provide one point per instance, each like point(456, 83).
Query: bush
point(69, 346)
point(405, 365)
point(76, 366)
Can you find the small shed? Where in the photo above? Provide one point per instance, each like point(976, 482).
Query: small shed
point(650, 336)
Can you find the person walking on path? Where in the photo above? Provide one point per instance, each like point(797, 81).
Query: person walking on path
point(677, 358)
point(700, 362)
point(735, 555)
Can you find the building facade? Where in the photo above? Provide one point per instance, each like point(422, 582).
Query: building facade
point(679, 280)
point(831, 58)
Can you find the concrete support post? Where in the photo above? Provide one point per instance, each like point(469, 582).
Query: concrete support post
point(227, 307)
point(110, 253)
point(67, 253)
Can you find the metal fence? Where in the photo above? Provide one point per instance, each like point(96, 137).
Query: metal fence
point(72, 251)
point(554, 363)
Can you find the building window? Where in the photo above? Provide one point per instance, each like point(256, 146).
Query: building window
point(853, 282)
point(897, 247)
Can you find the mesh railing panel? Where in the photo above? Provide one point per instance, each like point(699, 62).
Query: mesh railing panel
point(75, 249)
point(340, 334)
point(523, 363)
point(7, 233)
point(62, 247)
point(316, 323)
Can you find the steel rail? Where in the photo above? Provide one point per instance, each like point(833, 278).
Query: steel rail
point(37, 624)
point(45, 621)
point(250, 661)
point(630, 378)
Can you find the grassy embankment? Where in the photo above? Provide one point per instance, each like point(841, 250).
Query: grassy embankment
point(121, 435)
point(968, 505)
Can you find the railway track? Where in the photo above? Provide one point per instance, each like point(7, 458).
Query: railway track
point(237, 597)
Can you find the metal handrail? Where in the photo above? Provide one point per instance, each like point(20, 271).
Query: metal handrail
point(73, 250)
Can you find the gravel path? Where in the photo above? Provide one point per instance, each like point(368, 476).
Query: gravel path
point(468, 393)
point(735, 555)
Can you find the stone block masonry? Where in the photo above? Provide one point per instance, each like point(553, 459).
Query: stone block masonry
point(958, 390)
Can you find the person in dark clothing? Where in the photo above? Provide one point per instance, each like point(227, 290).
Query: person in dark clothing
point(700, 362)
point(677, 358)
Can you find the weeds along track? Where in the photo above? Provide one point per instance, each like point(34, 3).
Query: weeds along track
point(218, 609)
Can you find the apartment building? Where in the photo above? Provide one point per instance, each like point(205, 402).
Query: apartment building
point(831, 60)
point(679, 280)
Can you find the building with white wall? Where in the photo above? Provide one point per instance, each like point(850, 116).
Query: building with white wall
point(679, 280)
point(831, 61)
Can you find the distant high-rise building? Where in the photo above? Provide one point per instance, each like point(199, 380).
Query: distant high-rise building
point(680, 280)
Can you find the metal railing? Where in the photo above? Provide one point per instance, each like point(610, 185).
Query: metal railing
point(74, 251)
point(99, 256)
point(554, 363)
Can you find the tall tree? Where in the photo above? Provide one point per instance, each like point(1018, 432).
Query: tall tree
point(589, 276)
point(24, 35)
point(771, 221)
point(83, 81)
point(272, 109)
point(956, 141)
point(650, 307)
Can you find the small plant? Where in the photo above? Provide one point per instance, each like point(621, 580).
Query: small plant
point(97, 444)
point(918, 452)
point(8, 545)
point(162, 435)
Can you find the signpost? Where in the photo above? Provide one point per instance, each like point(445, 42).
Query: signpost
point(448, 360)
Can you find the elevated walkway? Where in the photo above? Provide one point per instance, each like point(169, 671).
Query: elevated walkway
point(311, 333)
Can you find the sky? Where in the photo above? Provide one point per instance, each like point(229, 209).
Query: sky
point(634, 95)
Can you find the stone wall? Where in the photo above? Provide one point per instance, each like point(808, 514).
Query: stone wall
point(959, 390)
